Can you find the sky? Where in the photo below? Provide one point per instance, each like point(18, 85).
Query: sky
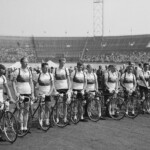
point(72, 17)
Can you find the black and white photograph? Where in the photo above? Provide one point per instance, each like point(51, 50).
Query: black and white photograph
point(74, 74)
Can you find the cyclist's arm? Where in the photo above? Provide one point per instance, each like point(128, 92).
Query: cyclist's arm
point(32, 86)
point(144, 81)
point(96, 84)
point(85, 84)
point(52, 86)
point(106, 80)
point(8, 91)
point(149, 81)
point(68, 79)
point(14, 85)
point(54, 80)
point(122, 81)
point(134, 83)
point(71, 79)
point(69, 82)
point(117, 84)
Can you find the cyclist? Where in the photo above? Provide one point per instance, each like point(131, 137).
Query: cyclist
point(144, 78)
point(45, 86)
point(79, 83)
point(23, 86)
point(62, 83)
point(111, 80)
point(111, 84)
point(4, 85)
point(92, 83)
point(128, 82)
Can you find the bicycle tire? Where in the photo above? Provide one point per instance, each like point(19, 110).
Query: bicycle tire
point(117, 108)
point(22, 133)
point(93, 110)
point(81, 107)
point(46, 122)
point(130, 108)
point(9, 127)
point(59, 108)
point(146, 106)
point(75, 115)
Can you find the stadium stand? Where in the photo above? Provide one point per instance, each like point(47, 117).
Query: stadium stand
point(96, 49)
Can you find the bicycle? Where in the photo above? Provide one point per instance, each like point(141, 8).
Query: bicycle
point(143, 103)
point(34, 114)
point(8, 124)
point(58, 110)
point(20, 111)
point(132, 105)
point(75, 108)
point(41, 113)
point(94, 106)
point(116, 107)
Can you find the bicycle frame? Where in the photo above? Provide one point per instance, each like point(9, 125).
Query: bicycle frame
point(3, 110)
point(33, 112)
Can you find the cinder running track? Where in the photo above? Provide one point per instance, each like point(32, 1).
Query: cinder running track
point(126, 134)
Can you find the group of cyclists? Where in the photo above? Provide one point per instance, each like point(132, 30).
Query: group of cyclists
point(82, 79)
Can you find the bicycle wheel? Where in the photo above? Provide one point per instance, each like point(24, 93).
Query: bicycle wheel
point(44, 117)
point(146, 106)
point(94, 110)
point(117, 108)
point(81, 108)
point(58, 115)
point(9, 127)
point(103, 106)
point(75, 115)
point(19, 115)
point(132, 109)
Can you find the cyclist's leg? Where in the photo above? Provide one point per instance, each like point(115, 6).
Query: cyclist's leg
point(26, 114)
point(86, 104)
point(145, 91)
point(47, 103)
point(106, 96)
point(75, 107)
point(106, 99)
point(141, 92)
point(80, 96)
point(134, 101)
point(65, 106)
point(125, 99)
point(57, 112)
point(21, 117)
point(61, 91)
point(65, 112)
point(99, 106)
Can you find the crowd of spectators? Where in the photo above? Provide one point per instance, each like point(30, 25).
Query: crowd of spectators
point(118, 57)
point(14, 54)
point(10, 55)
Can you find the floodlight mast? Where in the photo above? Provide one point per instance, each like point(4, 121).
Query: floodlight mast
point(98, 23)
point(98, 18)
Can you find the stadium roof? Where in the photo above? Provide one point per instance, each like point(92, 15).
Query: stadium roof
point(72, 38)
